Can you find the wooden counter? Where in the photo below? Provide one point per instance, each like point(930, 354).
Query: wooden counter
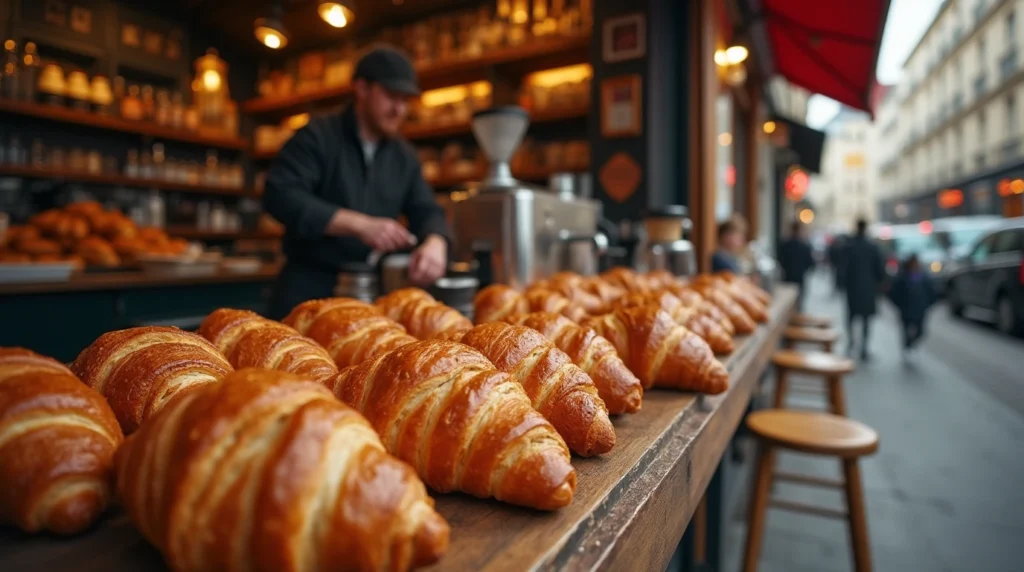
point(631, 508)
point(137, 279)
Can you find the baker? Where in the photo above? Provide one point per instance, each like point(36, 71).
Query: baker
point(341, 182)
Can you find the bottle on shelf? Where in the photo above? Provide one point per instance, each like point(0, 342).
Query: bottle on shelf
point(148, 103)
point(101, 95)
point(31, 66)
point(131, 164)
point(210, 176)
point(15, 152)
point(131, 105)
point(159, 161)
point(155, 209)
point(119, 90)
point(146, 165)
point(163, 108)
point(37, 158)
point(177, 110)
point(11, 79)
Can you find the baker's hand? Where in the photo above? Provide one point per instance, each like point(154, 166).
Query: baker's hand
point(383, 234)
point(428, 261)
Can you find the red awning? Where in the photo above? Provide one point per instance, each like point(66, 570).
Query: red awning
point(829, 47)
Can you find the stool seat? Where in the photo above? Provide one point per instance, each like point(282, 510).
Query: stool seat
point(815, 433)
point(819, 335)
point(819, 363)
point(810, 321)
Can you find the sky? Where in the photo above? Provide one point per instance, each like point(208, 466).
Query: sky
point(908, 20)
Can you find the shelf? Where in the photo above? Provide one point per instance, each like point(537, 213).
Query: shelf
point(111, 123)
point(533, 175)
point(421, 132)
point(193, 233)
point(115, 180)
point(534, 54)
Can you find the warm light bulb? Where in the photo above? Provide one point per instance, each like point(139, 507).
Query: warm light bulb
point(721, 59)
point(807, 216)
point(769, 127)
point(334, 14)
point(272, 41)
point(211, 80)
point(736, 54)
point(725, 139)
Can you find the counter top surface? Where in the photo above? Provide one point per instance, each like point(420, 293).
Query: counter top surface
point(631, 507)
point(137, 279)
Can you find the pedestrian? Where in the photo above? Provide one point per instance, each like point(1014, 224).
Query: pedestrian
point(912, 294)
point(864, 275)
point(796, 259)
point(835, 259)
point(731, 241)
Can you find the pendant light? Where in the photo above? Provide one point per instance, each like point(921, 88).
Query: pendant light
point(270, 31)
point(337, 13)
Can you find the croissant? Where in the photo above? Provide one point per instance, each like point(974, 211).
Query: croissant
point(661, 352)
point(558, 389)
point(616, 385)
point(496, 302)
point(571, 286)
point(739, 317)
point(744, 299)
point(604, 291)
point(57, 443)
point(691, 298)
point(465, 426)
point(351, 331)
point(139, 369)
point(688, 316)
point(658, 279)
point(250, 340)
point(543, 300)
point(746, 285)
point(266, 471)
point(422, 315)
point(625, 278)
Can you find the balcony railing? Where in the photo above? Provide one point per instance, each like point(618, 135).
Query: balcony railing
point(1008, 64)
point(979, 86)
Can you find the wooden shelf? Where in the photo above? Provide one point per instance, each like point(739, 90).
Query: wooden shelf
point(115, 180)
point(193, 233)
point(534, 54)
point(111, 123)
point(532, 175)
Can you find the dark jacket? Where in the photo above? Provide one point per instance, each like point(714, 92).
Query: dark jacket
point(796, 259)
point(322, 169)
point(864, 274)
point(912, 295)
point(723, 261)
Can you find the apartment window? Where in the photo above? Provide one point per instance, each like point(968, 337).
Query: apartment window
point(1011, 115)
point(1011, 27)
point(979, 156)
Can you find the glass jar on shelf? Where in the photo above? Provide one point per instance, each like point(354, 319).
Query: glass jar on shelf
point(16, 154)
point(193, 173)
point(177, 110)
point(52, 85)
point(148, 103)
point(79, 93)
point(58, 159)
point(192, 119)
point(94, 162)
point(171, 169)
point(162, 114)
point(146, 165)
point(110, 165)
point(101, 95)
point(77, 160)
point(210, 175)
point(131, 105)
point(131, 164)
point(37, 155)
point(158, 161)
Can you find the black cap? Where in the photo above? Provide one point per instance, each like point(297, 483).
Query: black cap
point(389, 67)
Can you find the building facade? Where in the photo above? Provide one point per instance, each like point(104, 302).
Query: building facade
point(949, 135)
point(845, 189)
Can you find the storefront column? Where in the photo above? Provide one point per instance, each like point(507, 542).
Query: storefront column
point(750, 167)
point(702, 96)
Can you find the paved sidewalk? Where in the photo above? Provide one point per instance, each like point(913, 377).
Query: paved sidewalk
point(945, 492)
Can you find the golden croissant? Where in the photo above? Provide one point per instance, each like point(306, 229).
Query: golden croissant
point(741, 320)
point(139, 370)
point(572, 286)
point(745, 299)
point(541, 299)
point(691, 298)
point(250, 340)
point(557, 388)
point(351, 331)
point(57, 444)
point(661, 352)
point(496, 302)
point(626, 278)
point(267, 471)
point(616, 385)
point(465, 426)
point(689, 316)
point(422, 315)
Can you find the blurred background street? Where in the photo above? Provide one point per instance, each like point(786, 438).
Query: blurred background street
point(944, 491)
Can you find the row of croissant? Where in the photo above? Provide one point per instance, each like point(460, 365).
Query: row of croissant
point(305, 445)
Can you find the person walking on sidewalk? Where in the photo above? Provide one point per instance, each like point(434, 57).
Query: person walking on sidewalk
point(796, 260)
point(864, 273)
point(912, 294)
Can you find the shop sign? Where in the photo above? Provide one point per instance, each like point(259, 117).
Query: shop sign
point(1008, 187)
point(950, 198)
point(620, 177)
point(796, 183)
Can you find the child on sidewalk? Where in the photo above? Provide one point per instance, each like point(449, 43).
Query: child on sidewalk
point(912, 294)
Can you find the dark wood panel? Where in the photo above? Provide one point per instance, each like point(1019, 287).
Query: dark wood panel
point(631, 507)
point(118, 180)
point(111, 123)
point(136, 279)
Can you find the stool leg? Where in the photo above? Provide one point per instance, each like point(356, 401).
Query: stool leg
point(835, 395)
point(781, 380)
point(758, 507)
point(858, 518)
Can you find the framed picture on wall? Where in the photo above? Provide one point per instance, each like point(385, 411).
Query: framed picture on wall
point(621, 106)
point(624, 38)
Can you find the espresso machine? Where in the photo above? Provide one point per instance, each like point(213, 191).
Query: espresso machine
point(519, 233)
point(662, 244)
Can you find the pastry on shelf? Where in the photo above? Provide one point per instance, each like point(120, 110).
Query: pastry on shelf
point(268, 471)
point(557, 388)
point(689, 316)
point(420, 314)
point(661, 352)
point(742, 322)
point(497, 302)
point(351, 331)
point(250, 340)
point(96, 251)
point(139, 370)
point(540, 299)
point(462, 424)
point(59, 438)
point(616, 385)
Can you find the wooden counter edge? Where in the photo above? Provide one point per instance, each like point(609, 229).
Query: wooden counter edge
point(137, 280)
point(671, 480)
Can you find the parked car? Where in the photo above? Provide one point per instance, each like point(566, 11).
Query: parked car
point(958, 235)
point(991, 277)
point(899, 241)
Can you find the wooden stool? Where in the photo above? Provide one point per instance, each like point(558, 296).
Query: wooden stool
point(815, 434)
point(796, 334)
point(810, 321)
point(829, 366)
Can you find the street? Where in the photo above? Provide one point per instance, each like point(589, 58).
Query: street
point(943, 493)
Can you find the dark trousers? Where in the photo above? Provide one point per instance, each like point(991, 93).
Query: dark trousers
point(913, 331)
point(865, 330)
point(296, 284)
